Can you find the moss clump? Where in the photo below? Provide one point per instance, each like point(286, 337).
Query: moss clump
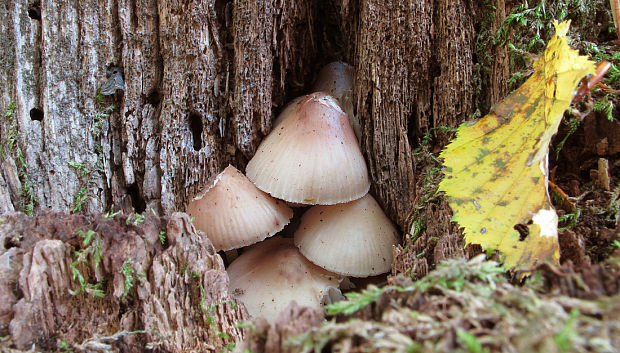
point(466, 306)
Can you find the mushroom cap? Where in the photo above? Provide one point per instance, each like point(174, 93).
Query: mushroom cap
point(312, 156)
point(233, 213)
point(270, 275)
point(352, 239)
point(337, 79)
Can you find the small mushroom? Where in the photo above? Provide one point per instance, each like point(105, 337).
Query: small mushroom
point(270, 275)
point(311, 156)
point(233, 213)
point(352, 239)
point(337, 79)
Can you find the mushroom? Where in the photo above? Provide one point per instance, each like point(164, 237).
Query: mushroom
point(233, 213)
point(337, 79)
point(352, 239)
point(311, 156)
point(273, 273)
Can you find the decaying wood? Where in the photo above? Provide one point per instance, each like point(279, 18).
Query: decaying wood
point(177, 301)
point(392, 64)
point(438, 240)
point(414, 66)
point(500, 71)
point(453, 91)
point(199, 82)
point(292, 321)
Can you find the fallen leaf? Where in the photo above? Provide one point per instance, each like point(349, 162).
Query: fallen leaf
point(496, 169)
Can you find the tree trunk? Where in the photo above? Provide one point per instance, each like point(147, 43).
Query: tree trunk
point(202, 82)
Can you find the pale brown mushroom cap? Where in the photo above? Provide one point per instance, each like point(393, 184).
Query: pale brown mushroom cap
point(352, 239)
point(337, 79)
point(270, 275)
point(233, 213)
point(312, 156)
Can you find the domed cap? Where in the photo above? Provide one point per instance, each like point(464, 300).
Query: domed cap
point(336, 78)
point(352, 239)
point(270, 275)
point(312, 156)
point(233, 213)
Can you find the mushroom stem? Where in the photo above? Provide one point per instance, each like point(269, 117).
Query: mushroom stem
point(337, 79)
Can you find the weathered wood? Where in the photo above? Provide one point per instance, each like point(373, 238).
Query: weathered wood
point(414, 72)
point(392, 62)
point(135, 131)
point(253, 67)
point(500, 73)
point(201, 81)
point(172, 295)
point(192, 103)
point(453, 90)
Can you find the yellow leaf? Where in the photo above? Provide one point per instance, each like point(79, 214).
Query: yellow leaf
point(496, 169)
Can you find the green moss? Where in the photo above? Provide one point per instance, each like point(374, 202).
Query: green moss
point(453, 274)
point(91, 246)
point(573, 124)
point(129, 273)
point(474, 301)
point(527, 29)
point(80, 199)
point(569, 220)
point(606, 106)
point(162, 237)
point(135, 219)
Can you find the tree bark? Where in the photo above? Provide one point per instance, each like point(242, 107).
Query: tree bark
point(202, 83)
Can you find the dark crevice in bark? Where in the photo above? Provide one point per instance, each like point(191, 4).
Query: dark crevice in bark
point(413, 132)
point(117, 37)
point(134, 13)
point(36, 114)
point(154, 98)
point(137, 202)
point(34, 10)
point(196, 127)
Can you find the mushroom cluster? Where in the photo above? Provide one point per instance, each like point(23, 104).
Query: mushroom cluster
point(311, 158)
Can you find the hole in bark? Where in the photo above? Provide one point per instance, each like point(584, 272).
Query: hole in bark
point(154, 98)
point(412, 132)
point(195, 125)
point(36, 114)
point(137, 202)
point(34, 11)
point(10, 243)
point(223, 9)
